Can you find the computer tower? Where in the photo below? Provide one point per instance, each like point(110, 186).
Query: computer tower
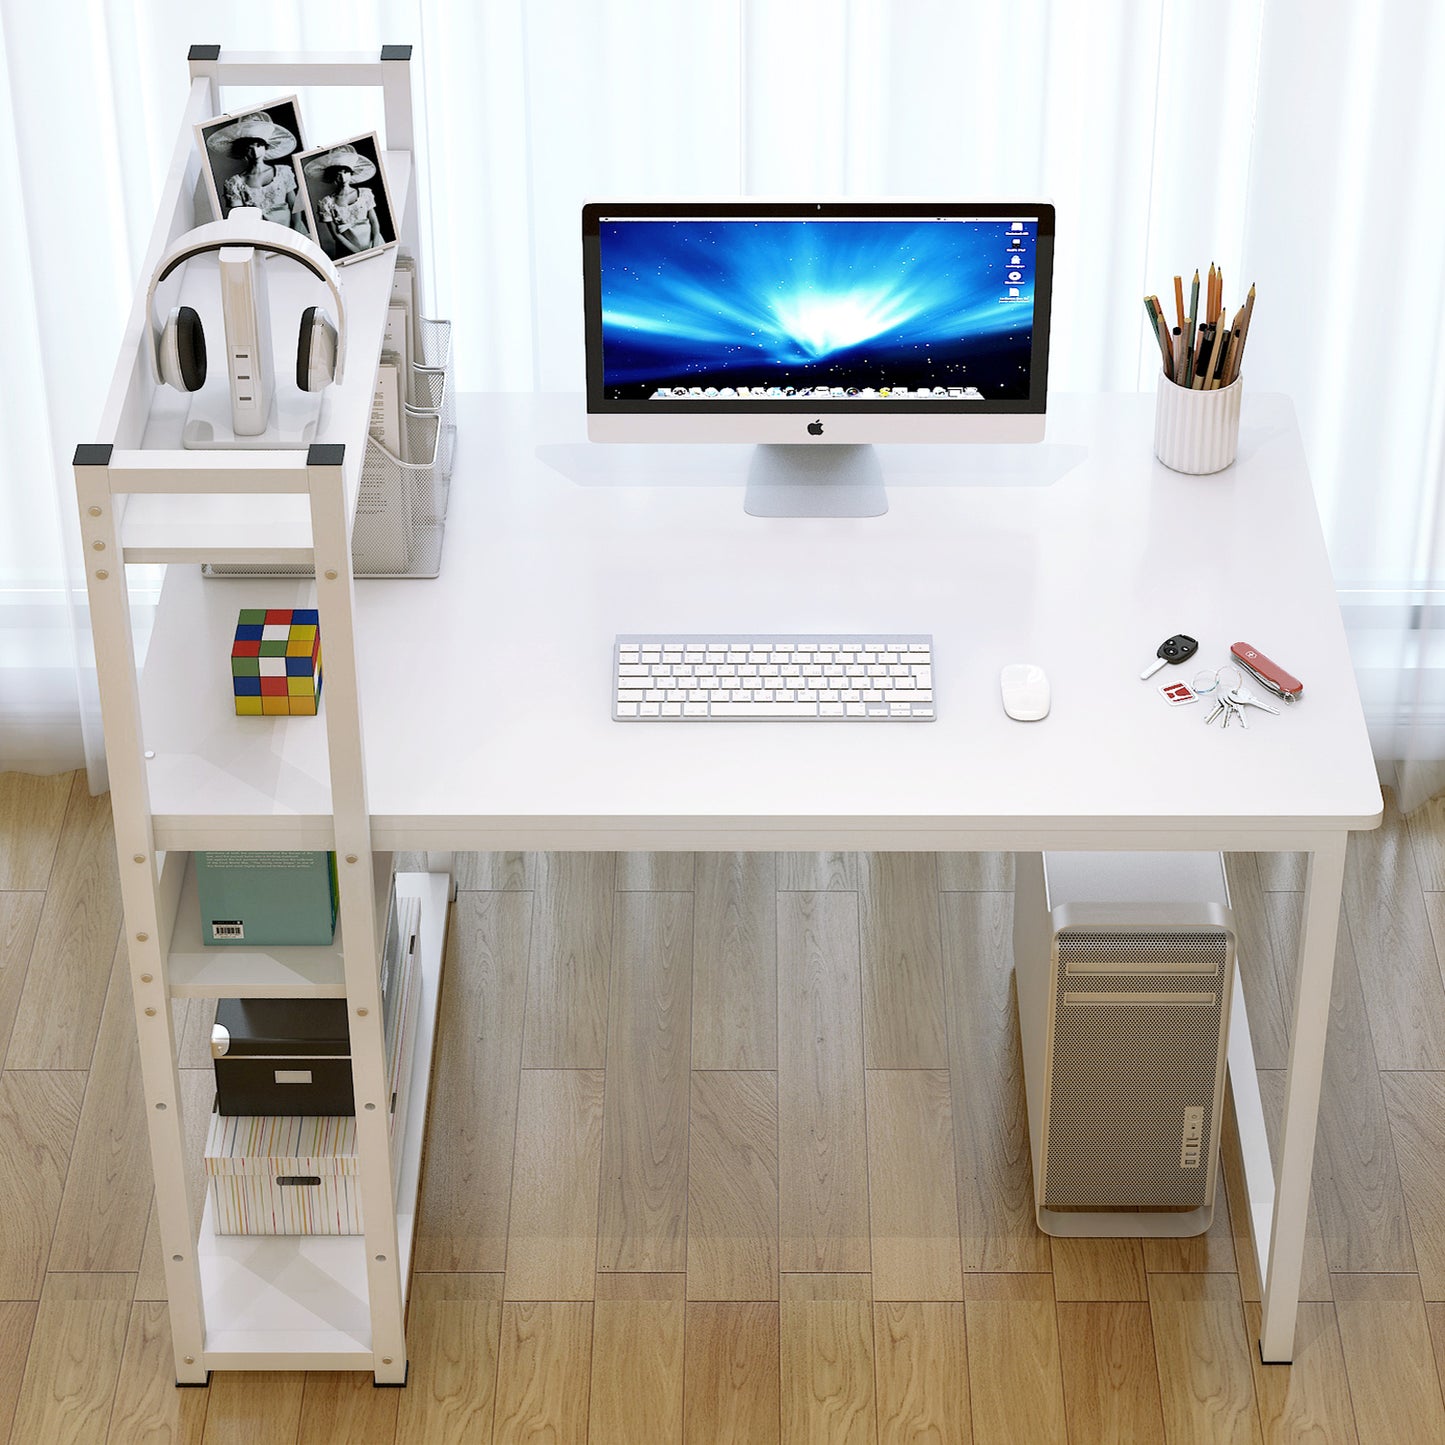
point(1125, 968)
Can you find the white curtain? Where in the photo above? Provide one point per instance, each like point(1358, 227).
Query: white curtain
point(1299, 146)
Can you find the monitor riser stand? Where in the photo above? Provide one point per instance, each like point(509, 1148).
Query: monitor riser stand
point(791, 480)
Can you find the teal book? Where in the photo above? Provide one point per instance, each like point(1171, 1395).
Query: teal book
point(251, 900)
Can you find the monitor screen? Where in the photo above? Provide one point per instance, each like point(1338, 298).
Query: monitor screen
point(749, 308)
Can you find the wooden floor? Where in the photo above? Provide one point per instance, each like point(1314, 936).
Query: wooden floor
point(731, 1148)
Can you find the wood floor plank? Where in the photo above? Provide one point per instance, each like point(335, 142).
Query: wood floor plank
point(1015, 1377)
point(822, 1139)
point(19, 919)
point(571, 961)
point(102, 1219)
point(976, 872)
point(254, 1407)
point(1206, 1382)
point(17, 1322)
point(65, 985)
point(1426, 826)
point(1394, 949)
point(496, 872)
point(732, 1203)
point(544, 1373)
point(827, 1393)
point(902, 961)
point(148, 1406)
point(74, 1361)
point(39, 1110)
point(1209, 1253)
point(1098, 1269)
point(552, 1241)
point(1309, 1399)
point(1389, 1359)
point(344, 1407)
point(921, 1374)
point(1357, 1193)
point(735, 961)
point(466, 1186)
point(1259, 969)
point(642, 1222)
point(453, 1346)
point(730, 1394)
point(1415, 1103)
point(912, 1186)
point(990, 1116)
point(32, 810)
point(1111, 1382)
point(817, 872)
point(637, 1371)
point(654, 872)
point(1435, 1319)
point(1282, 872)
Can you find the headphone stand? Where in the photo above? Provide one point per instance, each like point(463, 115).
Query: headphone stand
point(295, 420)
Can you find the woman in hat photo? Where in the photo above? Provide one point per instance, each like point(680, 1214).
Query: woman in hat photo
point(249, 166)
point(351, 217)
point(346, 212)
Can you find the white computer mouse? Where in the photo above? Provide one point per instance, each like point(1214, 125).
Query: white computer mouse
point(1025, 689)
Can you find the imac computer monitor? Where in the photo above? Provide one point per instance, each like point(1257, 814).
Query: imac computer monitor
point(808, 324)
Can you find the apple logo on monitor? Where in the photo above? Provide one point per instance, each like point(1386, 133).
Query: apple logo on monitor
point(815, 428)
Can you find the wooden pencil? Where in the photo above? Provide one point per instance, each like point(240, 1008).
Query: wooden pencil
point(1179, 301)
point(1190, 329)
point(1209, 296)
point(1244, 330)
point(1216, 342)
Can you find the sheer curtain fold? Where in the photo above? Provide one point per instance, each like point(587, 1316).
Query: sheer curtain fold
point(1296, 153)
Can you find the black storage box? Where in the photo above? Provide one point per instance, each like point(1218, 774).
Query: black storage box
point(282, 1056)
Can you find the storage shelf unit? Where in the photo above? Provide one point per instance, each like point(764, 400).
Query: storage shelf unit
point(171, 732)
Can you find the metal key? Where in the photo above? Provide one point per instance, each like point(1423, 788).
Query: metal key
point(1242, 698)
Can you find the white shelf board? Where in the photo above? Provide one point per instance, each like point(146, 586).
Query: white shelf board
point(316, 971)
point(299, 1302)
point(271, 528)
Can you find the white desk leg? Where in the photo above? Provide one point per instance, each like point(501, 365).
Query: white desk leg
point(1314, 971)
point(444, 863)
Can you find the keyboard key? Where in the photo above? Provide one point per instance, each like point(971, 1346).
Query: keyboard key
point(764, 709)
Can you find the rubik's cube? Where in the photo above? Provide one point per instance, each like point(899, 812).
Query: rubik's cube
point(276, 662)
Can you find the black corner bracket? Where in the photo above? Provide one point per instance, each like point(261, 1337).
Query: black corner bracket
point(325, 454)
point(204, 52)
point(93, 454)
point(396, 52)
point(392, 1384)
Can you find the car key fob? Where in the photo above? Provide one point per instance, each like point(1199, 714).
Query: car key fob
point(1178, 648)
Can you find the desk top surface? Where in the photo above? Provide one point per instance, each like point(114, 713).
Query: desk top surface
point(487, 692)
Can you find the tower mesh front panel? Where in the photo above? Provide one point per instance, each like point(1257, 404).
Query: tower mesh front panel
point(1124, 1073)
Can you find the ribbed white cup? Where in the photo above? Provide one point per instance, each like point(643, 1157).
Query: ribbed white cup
point(1196, 431)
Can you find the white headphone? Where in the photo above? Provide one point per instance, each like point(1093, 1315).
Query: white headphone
point(179, 350)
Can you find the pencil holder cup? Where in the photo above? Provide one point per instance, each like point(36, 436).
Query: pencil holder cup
point(1196, 431)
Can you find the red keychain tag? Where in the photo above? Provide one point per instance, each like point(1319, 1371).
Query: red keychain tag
point(1269, 674)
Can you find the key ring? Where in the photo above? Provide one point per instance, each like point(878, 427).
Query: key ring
point(1206, 680)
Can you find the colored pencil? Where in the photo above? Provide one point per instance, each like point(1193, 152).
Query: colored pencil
point(1179, 300)
point(1244, 330)
point(1179, 355)
point(1213, 360)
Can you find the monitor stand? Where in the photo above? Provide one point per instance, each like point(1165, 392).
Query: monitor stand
point(815, 481)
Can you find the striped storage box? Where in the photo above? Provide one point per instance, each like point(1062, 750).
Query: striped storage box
point(274, 1174)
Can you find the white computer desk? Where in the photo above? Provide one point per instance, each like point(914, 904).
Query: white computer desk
point(486, 702)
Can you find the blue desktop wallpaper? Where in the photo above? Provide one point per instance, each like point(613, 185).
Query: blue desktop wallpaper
point(873, 303)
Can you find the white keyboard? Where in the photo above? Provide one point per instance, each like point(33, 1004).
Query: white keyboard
point(763, 679)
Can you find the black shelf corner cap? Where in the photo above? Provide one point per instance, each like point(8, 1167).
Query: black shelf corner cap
point(393, 1384)
point(204, 52)
point(396, 52)
point(325, 454)
point(195, 1384)
point(93, 454)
